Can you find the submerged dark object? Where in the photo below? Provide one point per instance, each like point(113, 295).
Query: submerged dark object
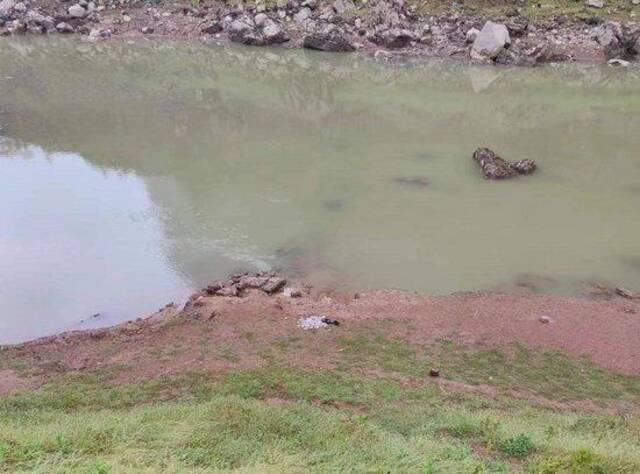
point(416, 181)
point(495, 167)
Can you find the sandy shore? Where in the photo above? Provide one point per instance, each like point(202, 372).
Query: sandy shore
point(603, 330)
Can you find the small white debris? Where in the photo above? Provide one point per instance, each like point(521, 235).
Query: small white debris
point(617, 62)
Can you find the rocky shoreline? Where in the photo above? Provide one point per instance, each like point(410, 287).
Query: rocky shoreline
point(379, 27)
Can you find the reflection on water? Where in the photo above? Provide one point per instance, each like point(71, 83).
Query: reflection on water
point(224, 158)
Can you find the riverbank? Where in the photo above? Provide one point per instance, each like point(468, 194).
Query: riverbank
point(537, 32)
point(484, 381)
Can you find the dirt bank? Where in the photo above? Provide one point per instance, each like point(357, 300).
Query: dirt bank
point(214, 333)
point(537, 33)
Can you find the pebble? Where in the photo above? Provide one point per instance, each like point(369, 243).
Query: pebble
point(545, 319)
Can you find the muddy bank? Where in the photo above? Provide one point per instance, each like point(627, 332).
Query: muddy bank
point(245, 315)
point(515, 35)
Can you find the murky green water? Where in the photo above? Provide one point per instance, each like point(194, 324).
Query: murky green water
point(130, 174)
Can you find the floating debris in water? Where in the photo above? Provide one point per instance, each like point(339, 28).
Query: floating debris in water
point(316, 322)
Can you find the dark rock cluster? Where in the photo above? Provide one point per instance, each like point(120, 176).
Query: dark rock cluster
point(495, 167)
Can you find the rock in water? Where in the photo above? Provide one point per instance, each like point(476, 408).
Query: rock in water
point(492, 39)
point(494, 167)
point(328, 41)
point(524, 166)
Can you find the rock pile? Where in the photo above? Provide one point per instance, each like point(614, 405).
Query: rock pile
point(270, 283)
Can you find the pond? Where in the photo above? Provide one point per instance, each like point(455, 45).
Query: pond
point(133, 173)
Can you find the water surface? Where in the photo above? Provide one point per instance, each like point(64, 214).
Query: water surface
point(132, 173)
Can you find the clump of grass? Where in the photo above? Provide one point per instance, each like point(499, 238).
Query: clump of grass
point(519, 446)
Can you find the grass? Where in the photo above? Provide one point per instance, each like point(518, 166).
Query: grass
point(376, 411)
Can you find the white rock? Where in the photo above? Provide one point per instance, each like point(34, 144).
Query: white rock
point(6, 6)
point(77, 11)
point(302, 16)
point(472, 34)
point(616, 62)
point(595, 3)
point(490, 41)
point(260, 19)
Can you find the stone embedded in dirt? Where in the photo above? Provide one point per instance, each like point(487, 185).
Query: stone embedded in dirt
point(333, 41)
point(625, 293)
point(544, 319)
point(252, 281)
point(64, 28)
point(77, 11)
point(394, 38)
point(292, 292)
point(494, 167)
point(212, 29)
point(492, 38)
point(274, 284)
point(146, 30)
point(595, 3)
point(434, 373)
point(228, 291)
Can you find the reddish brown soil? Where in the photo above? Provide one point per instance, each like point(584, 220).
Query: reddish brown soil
point(217, 333)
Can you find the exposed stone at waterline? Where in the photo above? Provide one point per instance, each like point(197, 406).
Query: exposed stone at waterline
point(394, 39)
point(262, 32)
point(237, 284)
point(618, 40)
point(490, 40)
point(495, 167)
point(332, 40)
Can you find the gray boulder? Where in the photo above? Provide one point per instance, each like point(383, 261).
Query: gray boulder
point(77, 11)
point(618, 40)
point(272, 33)
point(492, 38)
